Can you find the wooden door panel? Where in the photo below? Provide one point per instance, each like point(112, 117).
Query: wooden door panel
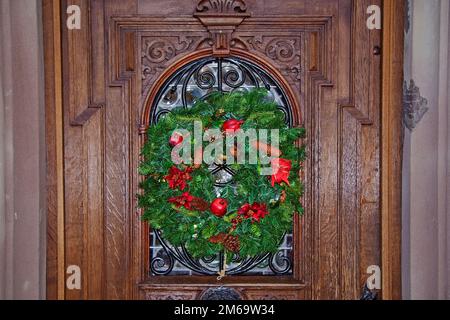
point(322, 53)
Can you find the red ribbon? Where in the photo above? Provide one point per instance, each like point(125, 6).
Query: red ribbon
point(281, 169)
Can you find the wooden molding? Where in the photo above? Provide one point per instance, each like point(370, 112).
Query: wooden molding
point(86, 114)
point(391, 140)
point(54, 141)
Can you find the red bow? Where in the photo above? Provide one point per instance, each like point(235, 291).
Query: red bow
point(281, 168)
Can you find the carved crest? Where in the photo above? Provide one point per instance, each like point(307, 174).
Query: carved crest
point(414, 105)
point(221, 18)
point(221, 6)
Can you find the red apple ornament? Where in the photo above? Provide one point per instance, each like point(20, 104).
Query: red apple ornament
point(232, 125)
point(219, 207)
point(175, 139)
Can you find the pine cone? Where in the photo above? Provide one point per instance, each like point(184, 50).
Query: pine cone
point(199, 204)
point(232, 243)
point(220, 238)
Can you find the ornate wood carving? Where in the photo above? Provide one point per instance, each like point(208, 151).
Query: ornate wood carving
point(283, 51)
point(274, 295)
point(414, 105)
point(171, 295)
point(158, 52)
point(221, 17)
point(222, 6)
point(220, 293)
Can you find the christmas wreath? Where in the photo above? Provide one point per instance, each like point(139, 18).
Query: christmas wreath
point(250, 215)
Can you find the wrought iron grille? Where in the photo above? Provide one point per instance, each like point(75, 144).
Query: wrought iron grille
point(196, 81)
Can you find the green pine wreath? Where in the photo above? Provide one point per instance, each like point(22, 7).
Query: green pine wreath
point(177, 199)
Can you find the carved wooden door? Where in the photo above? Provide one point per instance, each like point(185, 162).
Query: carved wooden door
point(318, 60)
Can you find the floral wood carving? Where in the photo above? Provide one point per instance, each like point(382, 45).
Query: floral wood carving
point(283, 51)
point(157, 52)
point(414, 105)
point(221, 293)
point(222, 6)
point(153, 295)
point(268, 297)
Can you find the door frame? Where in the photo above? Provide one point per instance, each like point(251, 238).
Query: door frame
point(391, 148)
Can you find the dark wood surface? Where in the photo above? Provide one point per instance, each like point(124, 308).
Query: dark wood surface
point(322, 54)
point(392, 147)
point(54, 151)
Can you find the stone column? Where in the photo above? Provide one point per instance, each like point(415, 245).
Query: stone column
point(426, 157)
point(22, 218)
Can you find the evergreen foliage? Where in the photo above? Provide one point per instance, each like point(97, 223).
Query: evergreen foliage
point(194, 228)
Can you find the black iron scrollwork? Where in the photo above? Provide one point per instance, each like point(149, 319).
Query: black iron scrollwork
point(163, 263)
point(279, 263)
point(199, 79)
